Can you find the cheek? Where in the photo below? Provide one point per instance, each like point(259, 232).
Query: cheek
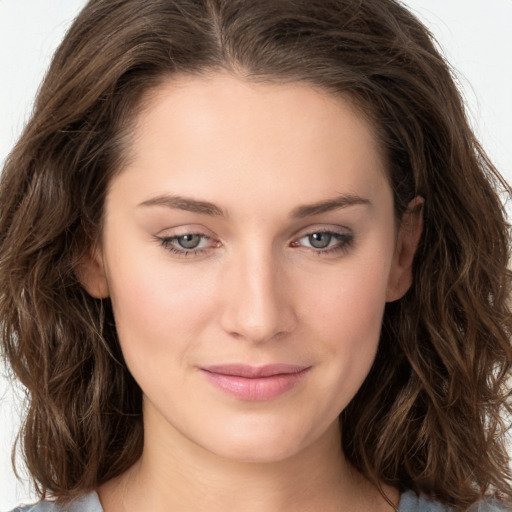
point(157, 312)
point(344, 317)
point(348, 303)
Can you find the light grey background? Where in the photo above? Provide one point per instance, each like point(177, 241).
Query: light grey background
point(475, 35)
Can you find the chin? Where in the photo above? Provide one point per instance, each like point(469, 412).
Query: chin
point(261, 452)
point(260, 442)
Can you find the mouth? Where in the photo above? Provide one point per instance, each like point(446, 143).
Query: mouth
point(255, 383)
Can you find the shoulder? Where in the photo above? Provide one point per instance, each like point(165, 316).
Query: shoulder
point(43, 506)
point(87, 503)
point(410, 502)
point(490, 505)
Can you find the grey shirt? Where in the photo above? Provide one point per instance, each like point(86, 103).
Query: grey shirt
point(409, 502)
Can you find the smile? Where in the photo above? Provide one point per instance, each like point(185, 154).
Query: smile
point(255, 383)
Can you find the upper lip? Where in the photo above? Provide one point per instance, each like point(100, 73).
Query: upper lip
point(248, 371)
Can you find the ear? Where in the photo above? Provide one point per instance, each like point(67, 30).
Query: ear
point(90, 272)
point(400, 277)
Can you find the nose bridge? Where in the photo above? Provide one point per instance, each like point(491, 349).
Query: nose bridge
point(258, 304)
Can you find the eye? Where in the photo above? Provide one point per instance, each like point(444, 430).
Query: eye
point(320, 240)
point(188, 241)
point(325, 242)
point(188, 244)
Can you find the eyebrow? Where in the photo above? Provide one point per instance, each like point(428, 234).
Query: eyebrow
point(207, 208)
point(341, 201)
point(185, 203)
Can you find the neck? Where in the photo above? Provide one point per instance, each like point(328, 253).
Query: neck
point(176, 474)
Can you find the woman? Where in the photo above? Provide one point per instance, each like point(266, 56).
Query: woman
point(255, 259)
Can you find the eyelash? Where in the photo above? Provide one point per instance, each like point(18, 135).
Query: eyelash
point(167, 243)
point(345, 241)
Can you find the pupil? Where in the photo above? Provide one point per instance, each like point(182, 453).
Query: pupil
point(320, 240)
point(189, 241)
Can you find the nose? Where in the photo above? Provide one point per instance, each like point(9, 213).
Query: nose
point(258, 298)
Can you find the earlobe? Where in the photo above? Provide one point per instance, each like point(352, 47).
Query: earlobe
point(90, 272)
point(400, 277)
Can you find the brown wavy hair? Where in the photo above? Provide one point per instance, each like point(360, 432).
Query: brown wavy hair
point(431, 414)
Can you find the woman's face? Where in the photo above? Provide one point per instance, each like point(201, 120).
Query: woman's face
point(249, 248)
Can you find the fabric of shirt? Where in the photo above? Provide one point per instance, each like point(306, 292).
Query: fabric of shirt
point(409, 502)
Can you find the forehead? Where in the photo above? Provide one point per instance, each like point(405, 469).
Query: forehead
point(195, 132)
point(201, 103)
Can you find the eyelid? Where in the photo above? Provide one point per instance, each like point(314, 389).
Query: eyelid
point(182, 230)
point(323, 228)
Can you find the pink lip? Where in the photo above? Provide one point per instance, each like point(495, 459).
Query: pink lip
point(255, 382)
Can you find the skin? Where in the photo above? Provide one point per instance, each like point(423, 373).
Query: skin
point(256, 291)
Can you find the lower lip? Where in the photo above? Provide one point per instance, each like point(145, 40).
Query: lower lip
point(258, 388)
